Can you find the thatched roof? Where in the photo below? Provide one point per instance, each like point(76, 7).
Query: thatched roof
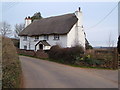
point(52, 25)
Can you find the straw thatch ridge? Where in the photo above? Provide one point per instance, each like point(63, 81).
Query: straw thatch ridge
point(52, 25)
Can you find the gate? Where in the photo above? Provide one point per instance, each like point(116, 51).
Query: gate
point(118, 61)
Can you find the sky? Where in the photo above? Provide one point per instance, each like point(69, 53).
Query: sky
point(93, 12)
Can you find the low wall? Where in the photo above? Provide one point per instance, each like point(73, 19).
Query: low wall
point(38, 54)
point(26, 52)
point(41, 54)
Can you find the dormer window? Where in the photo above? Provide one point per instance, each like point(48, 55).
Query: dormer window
point(36, 38)
point(25, 38)
point(46, 37)
point(56, 37)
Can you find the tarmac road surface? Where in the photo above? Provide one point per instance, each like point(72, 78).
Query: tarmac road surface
point(45, 74)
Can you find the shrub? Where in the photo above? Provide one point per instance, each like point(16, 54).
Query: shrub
point(92, 61)
point(16, 42)
point(66, 55)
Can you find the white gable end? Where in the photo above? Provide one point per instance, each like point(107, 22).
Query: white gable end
point(76, 36)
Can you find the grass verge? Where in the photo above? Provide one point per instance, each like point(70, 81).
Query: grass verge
point(48, 59)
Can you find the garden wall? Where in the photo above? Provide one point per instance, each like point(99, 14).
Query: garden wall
point(38, 54)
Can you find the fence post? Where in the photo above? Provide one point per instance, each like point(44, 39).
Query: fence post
point(118, 61)
point(115, 59)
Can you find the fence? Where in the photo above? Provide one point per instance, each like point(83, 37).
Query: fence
point(108, 56)
point(118, 61)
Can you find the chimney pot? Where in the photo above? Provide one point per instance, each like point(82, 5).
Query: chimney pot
point(25, 18)
point(29, 17)
point(79, 8)
point(27, 21)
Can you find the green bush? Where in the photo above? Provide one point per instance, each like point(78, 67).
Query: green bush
point(65, 55)
point(76, 56)
point(92, 61)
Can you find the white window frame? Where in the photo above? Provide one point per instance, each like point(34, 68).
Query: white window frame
point(36, 38)
point(46, 37)
point(24, 38)
point(56, 37)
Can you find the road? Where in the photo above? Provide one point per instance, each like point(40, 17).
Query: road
point(45, 74)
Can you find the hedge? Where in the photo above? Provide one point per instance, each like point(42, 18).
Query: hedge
point(11, 68)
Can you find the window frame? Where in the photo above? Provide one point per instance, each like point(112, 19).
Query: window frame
point(36, 38)
point(46, 37)
point(56, 37)
point(25, 47)
point(24, 38)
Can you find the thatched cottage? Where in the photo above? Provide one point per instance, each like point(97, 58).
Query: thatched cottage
point(64, 30)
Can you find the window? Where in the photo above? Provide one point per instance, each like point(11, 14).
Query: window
point(36, 38)
point(46, 37)
point(25, 47)
point(56, 37)
point(25, 38)
point(82, 26)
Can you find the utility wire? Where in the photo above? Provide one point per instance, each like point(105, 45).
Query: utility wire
point(7, 6)
point(103, 18)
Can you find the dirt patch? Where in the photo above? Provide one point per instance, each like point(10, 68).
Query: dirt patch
point(22, 81)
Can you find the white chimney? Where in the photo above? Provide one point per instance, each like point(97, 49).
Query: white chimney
point(78, 14)
point(79, 28)
point(27, 21)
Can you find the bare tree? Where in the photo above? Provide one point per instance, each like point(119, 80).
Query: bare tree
point(5, 29)
point(18, 29)
point(110, 41)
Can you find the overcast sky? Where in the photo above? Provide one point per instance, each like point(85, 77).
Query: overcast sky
point(93, 12)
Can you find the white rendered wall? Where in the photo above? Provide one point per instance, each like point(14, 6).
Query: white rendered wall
point(30, 43)
point(61, 42)
point(71, 37)
point(21, 43)
point(76, 36)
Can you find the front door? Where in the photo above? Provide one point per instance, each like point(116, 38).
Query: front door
point(40, 46)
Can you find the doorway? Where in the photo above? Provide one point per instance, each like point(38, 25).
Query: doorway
point(40, 46)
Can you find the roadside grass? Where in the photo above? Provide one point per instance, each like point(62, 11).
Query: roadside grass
point(52, 60)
